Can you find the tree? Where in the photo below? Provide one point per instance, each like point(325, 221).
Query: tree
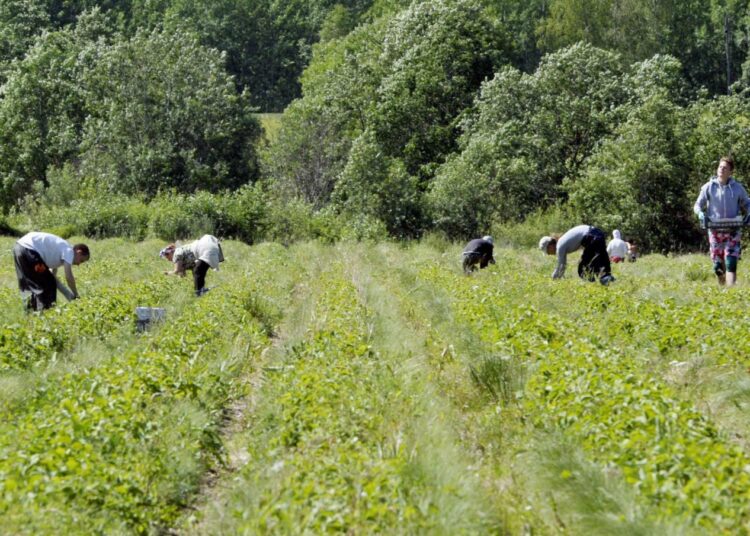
point(379, 187)
point(528, 134)
point(436, 56)
point(43, 109)
point(164, 114)
point(318, 130)
point(635, 180)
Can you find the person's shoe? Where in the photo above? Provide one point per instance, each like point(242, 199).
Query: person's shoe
point(201, 292)
point(607, 279)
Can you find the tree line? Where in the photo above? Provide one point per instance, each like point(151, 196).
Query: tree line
point(400, 118)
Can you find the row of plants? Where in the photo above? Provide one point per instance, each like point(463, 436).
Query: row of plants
point(596, 360)
point(43, 336)
point(325, 451)
point(123, 445)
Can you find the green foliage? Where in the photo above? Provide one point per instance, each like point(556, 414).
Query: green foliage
point(20, 22)
point(635, 181)
point(553, 220)
point(122, 442)
point(317, 131)
point(529, 133)
point(165, 114)
point(7, 230)
point(436, 56)
point(615, 388)
point(42, 112)
point(693, 31)
point(378, 186)
point(718, 127)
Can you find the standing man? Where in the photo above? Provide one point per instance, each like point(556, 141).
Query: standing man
point(37, 257)
point(721, 199)
point(594, 260)
point(478, 251)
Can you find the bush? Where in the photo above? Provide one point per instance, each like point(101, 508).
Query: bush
point(178, 217)
point(7, 230)
point(113, 217)
point(101, 217)
point(246, 211)
point(555, 220)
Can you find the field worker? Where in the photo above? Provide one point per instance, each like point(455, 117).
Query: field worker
point(478, 251)
point(617, 249)
point(594, 260)
point(197, 256)
point(37, 257)
point(632, 251)
point(722, 197)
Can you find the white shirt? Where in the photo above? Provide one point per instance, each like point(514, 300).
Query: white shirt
point(53, 250)
point(617, 248)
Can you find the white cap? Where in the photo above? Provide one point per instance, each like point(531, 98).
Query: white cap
point(616, 234)
point(488, 238)
point(544, 242)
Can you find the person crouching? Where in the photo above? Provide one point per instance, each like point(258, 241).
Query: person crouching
point(478, 251)
point(198, 257)
point(594, 259)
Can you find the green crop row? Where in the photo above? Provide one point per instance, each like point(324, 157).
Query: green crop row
point(42, 336)
point(594, 363)
point(122, 446)
point(326, 457)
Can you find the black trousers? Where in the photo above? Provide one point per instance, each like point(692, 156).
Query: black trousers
point(34, 276)
point(471, 259)
point(595, 259)
point(199, 274)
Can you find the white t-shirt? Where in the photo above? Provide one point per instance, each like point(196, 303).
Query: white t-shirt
point(53, 250)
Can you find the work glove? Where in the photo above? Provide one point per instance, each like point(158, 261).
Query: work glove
point(703, 219)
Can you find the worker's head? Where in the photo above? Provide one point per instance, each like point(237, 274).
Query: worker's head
point(488, 238)
point(548, 244)
point(617, 234)
point(725, 169)
point(81, 254)
point(168, 252)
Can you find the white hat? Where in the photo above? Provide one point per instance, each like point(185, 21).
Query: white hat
point(488, 238)
point(544, 242)
point(617, 234)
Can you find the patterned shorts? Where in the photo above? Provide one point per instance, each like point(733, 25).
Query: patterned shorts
point(724, 244)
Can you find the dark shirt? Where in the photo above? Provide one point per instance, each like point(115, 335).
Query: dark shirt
point(479, 247)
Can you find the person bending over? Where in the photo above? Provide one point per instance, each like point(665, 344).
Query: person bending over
point(198, 257)
point(594, 260)
point(37, 257)
point(478, 251)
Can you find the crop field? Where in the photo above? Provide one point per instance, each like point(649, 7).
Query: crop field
point(375, 389)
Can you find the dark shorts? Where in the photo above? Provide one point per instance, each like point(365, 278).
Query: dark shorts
point(35, 277)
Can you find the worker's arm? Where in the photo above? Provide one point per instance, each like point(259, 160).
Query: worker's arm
point(562, 259)
point(179, 269)
point(70, 292)
point(702, 202)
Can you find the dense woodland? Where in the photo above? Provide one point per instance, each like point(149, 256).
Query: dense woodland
point(458, 117)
